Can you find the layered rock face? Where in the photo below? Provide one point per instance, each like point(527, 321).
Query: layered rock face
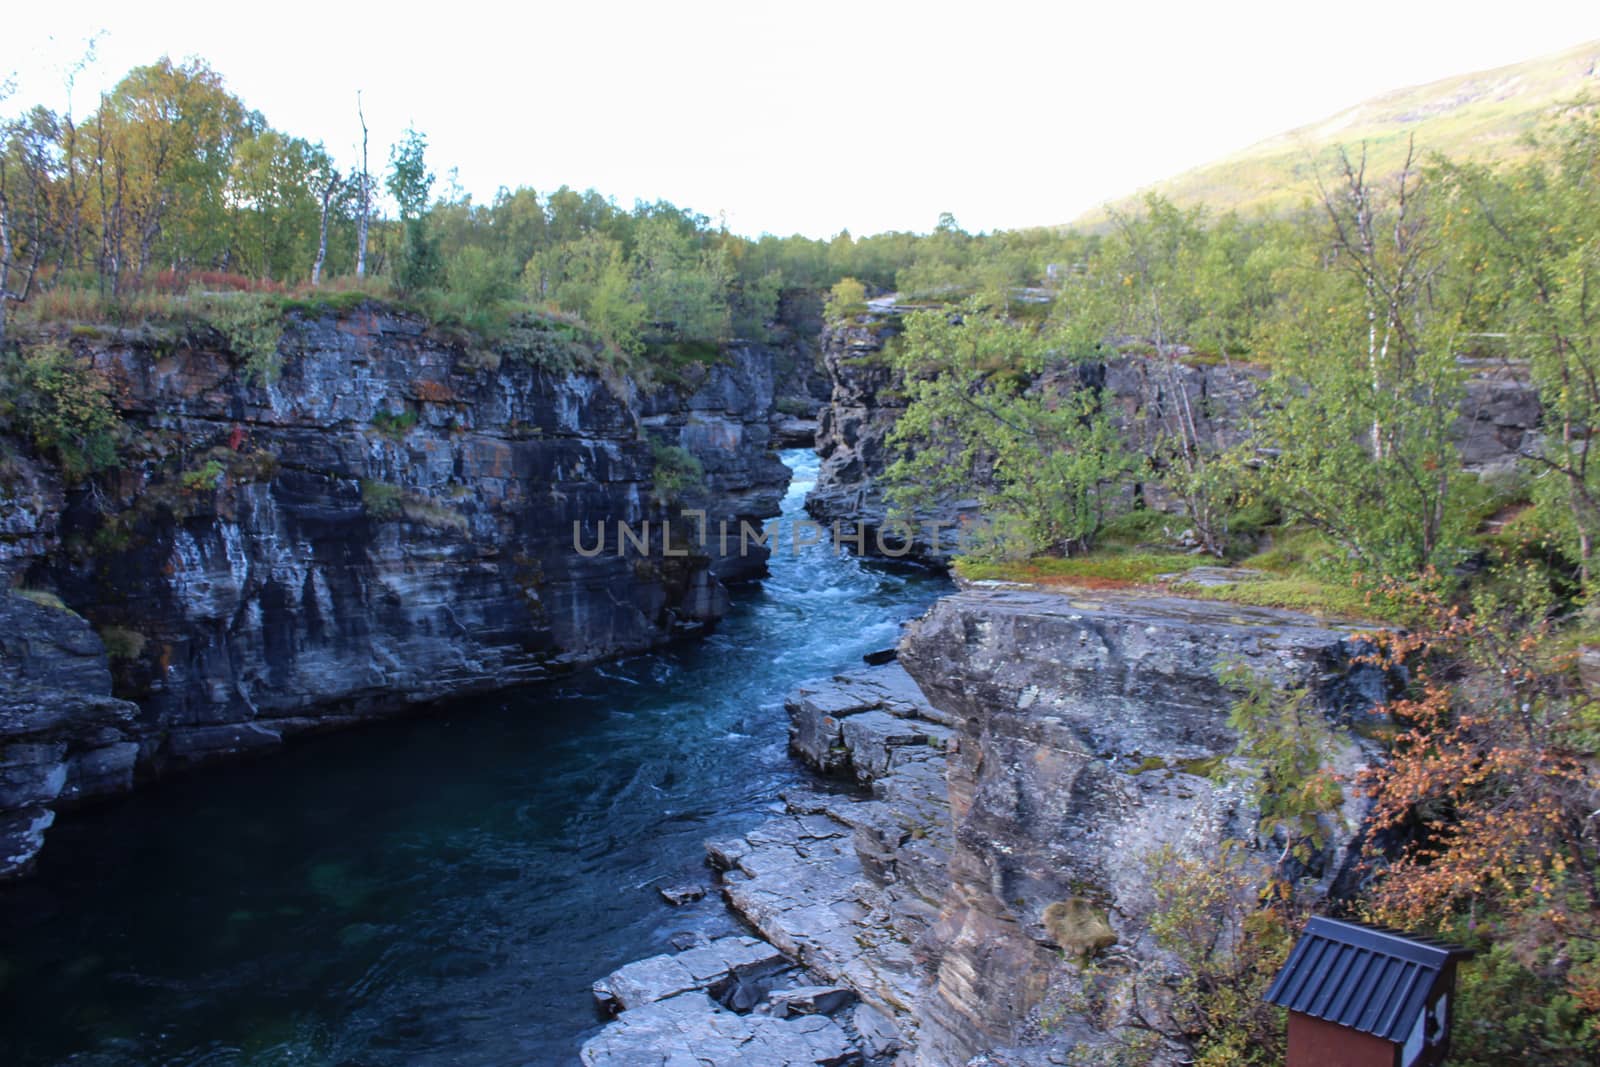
point(63, 736)
point(1029, 757)
point(843, 889)
point(1499, 420)
point(852, 442)
point(394, 519)
point(1092, 733)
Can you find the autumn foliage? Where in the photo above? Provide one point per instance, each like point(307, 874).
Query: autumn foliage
point(1484, 827)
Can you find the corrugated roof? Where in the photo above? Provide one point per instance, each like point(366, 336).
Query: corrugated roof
point(1364, 977)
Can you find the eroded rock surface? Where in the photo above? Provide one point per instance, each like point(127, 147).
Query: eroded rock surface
point(63, 736)
point(1093, 733)
point(396, 517)
point(996, 797)
point(844, 884)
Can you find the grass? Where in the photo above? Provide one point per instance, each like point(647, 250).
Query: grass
point(1301, 593)
point(1109, 570)
point(1291, 581)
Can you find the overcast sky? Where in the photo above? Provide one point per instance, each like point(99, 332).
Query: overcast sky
point(808, 117)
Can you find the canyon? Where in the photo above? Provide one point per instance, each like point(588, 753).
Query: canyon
point(401, 517)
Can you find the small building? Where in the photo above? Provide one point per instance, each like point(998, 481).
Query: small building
point(1364, 996)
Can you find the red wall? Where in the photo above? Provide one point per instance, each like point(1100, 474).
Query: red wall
point(1315, 1043)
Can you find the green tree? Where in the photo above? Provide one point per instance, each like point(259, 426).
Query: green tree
point(588, 277)
point(410, 182)
point(1044, 463)
point(847, 298)
point(684, 289)
point(1359, 417)
point(1531, 237)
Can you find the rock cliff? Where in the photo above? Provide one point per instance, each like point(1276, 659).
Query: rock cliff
point(391, 520)
point(1092, 732)
point(1028, 751)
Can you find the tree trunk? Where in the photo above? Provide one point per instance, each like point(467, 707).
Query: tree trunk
point(366, 197)
point(5, 258)
point(322, 238)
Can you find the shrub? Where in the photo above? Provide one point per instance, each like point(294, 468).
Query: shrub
point(202, 479)
point(253, 326)
point(62, 404)
point(383, 501)
point(676, 472)
point(847, 298)
point(394, 424)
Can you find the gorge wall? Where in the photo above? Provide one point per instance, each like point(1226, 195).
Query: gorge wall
point(388, 522)
point(1499, 422)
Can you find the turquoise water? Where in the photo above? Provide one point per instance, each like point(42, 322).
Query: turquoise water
point(440, 890)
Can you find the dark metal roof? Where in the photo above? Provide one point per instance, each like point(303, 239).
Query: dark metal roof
point(1364, 977)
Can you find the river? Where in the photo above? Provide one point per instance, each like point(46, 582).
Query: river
point(440, 889)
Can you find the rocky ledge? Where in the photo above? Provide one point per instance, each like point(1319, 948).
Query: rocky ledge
point(63, 736)
point(1025, 758)
point(840, 888)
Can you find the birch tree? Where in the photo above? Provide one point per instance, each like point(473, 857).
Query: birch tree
point(331, 183)
point(363, 197)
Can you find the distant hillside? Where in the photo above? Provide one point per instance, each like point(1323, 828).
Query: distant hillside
point(1470, 116)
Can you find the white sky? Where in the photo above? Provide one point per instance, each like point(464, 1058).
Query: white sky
point(803, 117)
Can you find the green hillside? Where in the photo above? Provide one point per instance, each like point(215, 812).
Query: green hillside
point(1470, 116)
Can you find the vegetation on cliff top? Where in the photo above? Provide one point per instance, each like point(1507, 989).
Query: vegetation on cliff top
point(1343, 488)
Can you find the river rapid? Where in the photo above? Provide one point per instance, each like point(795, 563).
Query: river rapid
point(440, 889)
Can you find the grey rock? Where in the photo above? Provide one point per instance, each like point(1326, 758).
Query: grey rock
point(736, 970)
point(63, 736)
point(810, 1000)
point(1061, 700)
point(291, 599)
point(678, 895)
point(691, 1029)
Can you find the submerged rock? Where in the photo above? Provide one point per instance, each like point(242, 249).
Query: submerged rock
point(679, 895)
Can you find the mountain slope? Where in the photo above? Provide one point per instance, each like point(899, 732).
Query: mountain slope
point(1470, 116)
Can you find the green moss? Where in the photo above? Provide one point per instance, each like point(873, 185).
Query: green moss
point(204, 478)
point(122, 643)
point(1303, 594)
point(44, 598)
point(1209, 767)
